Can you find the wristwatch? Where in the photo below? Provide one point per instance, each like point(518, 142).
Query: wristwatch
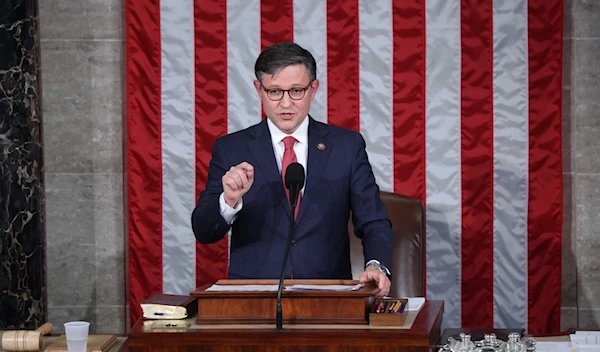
point(373, 263)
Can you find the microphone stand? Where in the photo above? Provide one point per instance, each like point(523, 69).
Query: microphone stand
point(294, 190)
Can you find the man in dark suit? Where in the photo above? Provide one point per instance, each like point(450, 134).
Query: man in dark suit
point(245, 192)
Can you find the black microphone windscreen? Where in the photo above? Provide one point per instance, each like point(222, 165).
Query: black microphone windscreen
point(294, 175)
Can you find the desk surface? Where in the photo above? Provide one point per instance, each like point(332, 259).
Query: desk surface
point(121, 344)
point(424, 332)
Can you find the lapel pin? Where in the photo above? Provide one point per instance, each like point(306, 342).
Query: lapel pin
point(321, 146)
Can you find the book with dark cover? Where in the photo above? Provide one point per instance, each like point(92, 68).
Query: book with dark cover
point(166, 306)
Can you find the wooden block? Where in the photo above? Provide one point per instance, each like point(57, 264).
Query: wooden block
point(96, 343)
point(388, 312)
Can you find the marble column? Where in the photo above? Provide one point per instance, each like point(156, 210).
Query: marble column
point(22, 269)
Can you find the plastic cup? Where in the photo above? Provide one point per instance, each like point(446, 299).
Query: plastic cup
point(77, 335)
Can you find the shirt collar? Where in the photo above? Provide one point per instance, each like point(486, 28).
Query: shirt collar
point(301, 133)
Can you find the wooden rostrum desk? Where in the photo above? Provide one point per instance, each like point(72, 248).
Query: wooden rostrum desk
point(224, 334)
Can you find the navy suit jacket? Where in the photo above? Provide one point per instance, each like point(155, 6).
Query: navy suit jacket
point(339, 180)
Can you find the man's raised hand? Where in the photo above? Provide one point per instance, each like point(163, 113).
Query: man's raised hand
point(236, 182)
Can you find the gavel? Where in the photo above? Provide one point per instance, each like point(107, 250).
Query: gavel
point(25, 340)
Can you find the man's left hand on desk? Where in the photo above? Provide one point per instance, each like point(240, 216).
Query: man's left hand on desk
point(374, 274)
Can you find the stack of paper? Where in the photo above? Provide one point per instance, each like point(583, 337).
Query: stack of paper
point(297, 287)
point(581, 341)
point(550, 346)
point(586, 341)
point(242, 288)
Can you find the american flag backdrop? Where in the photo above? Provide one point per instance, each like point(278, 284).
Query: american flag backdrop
point(459, 102)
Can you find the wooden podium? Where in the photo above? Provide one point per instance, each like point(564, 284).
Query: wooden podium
point(213, 334)
point(299, 307)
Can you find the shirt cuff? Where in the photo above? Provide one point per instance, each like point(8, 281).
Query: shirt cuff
point(377, 264)
point(228, 213)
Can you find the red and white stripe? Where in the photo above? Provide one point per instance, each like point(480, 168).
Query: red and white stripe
point(459, 103)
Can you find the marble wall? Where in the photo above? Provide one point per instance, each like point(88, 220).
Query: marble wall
point(581, 165)
point(83, 125)
point(82, 53)
point(22, 281)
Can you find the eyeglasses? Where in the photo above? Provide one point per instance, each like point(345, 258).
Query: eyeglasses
point(276, 94)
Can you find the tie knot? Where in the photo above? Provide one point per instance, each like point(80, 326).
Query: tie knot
point(288, 142)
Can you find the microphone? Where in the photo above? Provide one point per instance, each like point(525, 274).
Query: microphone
point(294, 180)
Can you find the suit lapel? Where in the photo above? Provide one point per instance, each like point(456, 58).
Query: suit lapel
point(262, 149)
point(319, 148)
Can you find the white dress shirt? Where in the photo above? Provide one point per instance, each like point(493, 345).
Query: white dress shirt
point(300, 148)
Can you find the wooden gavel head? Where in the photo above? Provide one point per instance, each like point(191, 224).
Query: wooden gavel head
point(25, 340)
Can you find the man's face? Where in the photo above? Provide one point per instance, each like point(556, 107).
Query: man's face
point(287, 114)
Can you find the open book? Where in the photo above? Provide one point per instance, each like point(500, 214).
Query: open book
point(165, 306)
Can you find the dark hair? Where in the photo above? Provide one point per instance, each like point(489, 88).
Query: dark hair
point(281, 55)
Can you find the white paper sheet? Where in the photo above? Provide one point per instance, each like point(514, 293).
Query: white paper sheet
point(240, 288)
point(584, 339)
point(547, 346)
point(270, 288)
point(415, 303)
point(299, 287)
point(581, 341)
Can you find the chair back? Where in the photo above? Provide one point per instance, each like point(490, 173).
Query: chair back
point(408, 223)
